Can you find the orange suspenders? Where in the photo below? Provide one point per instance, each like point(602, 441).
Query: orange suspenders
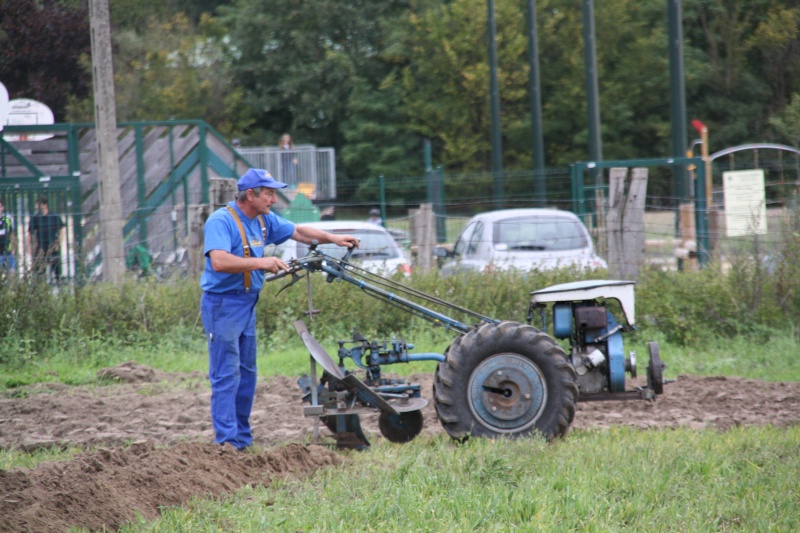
point(246, 243)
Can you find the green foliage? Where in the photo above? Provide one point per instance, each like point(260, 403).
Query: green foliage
point(787, 122)
point(755, 293)
point(748, 297)
point(378, 138)
point(137, 15)
point(170, 70)
point(372, 79)
point(94, 314)
point(772, 358)
point(732, 86)
point(754, 296)
point(299, 62)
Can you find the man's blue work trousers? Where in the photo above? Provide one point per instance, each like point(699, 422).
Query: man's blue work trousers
point(230, 323)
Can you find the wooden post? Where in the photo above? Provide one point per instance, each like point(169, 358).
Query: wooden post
point(220, 192)
point(424, 234)
point(688, 237)
point(633, 223)
point(625, 223)
point(413, 214)
point(600, 232)
point(198, 214)
point(616, 191)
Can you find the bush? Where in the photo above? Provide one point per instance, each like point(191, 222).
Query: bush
point(748, 296)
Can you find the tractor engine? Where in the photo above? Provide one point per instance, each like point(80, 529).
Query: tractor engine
point(597, 350)
point(581, 314)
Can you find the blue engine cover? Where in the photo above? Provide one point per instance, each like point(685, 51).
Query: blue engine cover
point(615, 352)
point(562, 320)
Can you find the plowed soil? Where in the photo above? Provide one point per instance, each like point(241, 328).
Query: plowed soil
point(172, 459)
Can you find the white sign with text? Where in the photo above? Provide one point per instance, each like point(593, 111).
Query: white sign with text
point(745, 202)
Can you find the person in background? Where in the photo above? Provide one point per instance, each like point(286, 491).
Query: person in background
point(46, 231)
point(8, 240)
point(288, 159)
point(235, 239)
point(375, 217)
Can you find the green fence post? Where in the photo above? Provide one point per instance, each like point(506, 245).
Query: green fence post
point(441, 213)
point(75, 171)
point(201, 131)
point(701, 214)
point(434, 179)
point(382, 185)
point(576, 177)
point(141, 189)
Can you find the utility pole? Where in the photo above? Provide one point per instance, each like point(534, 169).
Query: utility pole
point(105, 113)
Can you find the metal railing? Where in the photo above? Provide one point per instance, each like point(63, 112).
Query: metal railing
point(306, 169)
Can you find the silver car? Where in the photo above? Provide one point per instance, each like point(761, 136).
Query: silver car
point(523, 239)
point(378, 252)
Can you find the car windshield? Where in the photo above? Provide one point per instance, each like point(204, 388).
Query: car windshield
point(540, 233)
point(373, 244)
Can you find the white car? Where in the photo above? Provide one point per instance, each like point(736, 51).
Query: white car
point(377, 253)
point(524, 239)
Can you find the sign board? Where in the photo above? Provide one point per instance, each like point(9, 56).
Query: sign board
point(27, 112)
point(3, 106)
point(745, 202)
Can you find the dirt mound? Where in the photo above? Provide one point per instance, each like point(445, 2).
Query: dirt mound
point(154, 409)
point(106, 488)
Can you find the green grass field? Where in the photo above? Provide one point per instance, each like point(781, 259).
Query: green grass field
point(597, 481)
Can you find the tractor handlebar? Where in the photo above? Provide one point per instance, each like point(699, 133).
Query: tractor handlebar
point(281, 274)
point(310, 262)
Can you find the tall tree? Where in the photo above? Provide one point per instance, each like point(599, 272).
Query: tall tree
point(787, 122)
point(727, 90)
point(378, 140)
point(174, 70)
point(138, 15)
point(299, 62)
point(777, 42)
point(42, 42)
point(446, 80)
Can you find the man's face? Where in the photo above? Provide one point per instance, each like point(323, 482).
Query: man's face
point(264, 201)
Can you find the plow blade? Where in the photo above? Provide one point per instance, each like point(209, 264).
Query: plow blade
point(350, 381)
point(367, 395)
point(317, 351)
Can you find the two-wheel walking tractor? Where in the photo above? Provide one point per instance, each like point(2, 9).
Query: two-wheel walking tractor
point(497, 378)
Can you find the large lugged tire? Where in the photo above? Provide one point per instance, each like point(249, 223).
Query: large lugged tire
point(505, 380)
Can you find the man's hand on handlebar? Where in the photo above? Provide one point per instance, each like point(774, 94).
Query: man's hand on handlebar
point(347, 241)
point(274, 265)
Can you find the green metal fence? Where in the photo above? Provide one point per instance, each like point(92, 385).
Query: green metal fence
point(165, 167)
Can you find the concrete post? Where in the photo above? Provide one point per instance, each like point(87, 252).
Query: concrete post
point(105, 111)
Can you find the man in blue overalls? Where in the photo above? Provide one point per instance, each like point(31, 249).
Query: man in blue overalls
point(235, 239)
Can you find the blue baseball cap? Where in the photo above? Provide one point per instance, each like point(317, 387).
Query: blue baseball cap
point(257, 177)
